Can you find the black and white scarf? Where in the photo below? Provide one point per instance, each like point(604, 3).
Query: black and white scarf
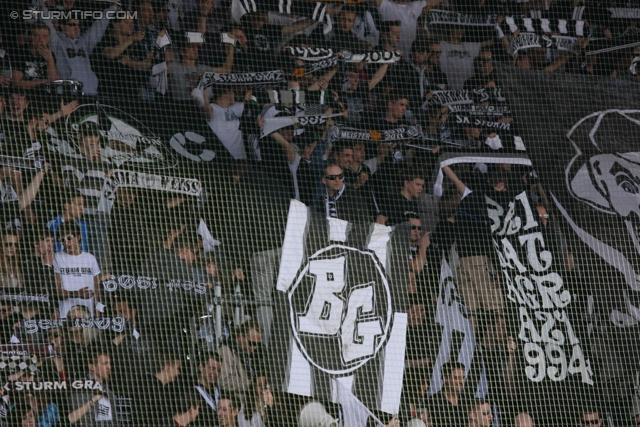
point(381, 57)
point(531, 40)
point(436, 16)
point(331, 203)
point(310, 53)
point(241, 79)
point(401, 133)
point(464, 96)
point(481, 110)
point(565, 27)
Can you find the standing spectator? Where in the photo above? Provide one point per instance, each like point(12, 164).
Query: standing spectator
point(523, 420)
point(483, 76)
point(95, 408)
point(437, 78)
point(185, 411)
point(480, 414)
point(589, 417)
point(228, 412)
point(397, 206)
point(87, 175)
point(72, 50)
point(10, 275)
point(390, 32)
point(153, 397)
point(413, 75)
point(448, 405)
point(477, 283)
point(72, 203)
point(185, 75)
point(407, 13)
point(457, 57)
point(342, 155)
point(37, 271)
point(77, 272)
point(78, 342)
point(209, 367)
point(242, 359)
point(343, 38)
point(359, 175)
point(6, 71)
point(35, 65)
point(223, 115)
point(340, 200)
point(119, 60)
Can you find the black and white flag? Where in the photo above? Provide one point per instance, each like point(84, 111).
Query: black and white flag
point(339, 312)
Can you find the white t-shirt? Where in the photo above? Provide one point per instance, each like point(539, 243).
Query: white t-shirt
point(77, 272)
point(408, 15)
point(225, 123)
point(456, 62)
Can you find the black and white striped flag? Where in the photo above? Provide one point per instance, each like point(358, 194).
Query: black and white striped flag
point(339, 311)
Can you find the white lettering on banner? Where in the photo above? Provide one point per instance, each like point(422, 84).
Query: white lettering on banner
point(538, 291)
point(116, 324)
point(352, 318)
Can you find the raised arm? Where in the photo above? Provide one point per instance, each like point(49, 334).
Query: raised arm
point(296, 27)
point(228, 64)
point(454, 178)
point(29, 194)
point(378, 76)
point(112, 52)
point(92, 37)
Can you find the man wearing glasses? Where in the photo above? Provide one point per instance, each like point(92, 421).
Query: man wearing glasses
point(77, 272)
point(483, 76)
point(72, 50)
point(243, 359)
point(340, 200)
point(590, 417)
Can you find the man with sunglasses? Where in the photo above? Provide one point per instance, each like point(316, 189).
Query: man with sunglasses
point(72, 49)
point(77, 272)
point(339, 199)
point(243, 359)
point(590, 417)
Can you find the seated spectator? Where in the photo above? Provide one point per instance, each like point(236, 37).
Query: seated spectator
point(72, 204)
point(395, 208)
point(185, 75)
point(479, 412)
point(77, 272)
point(340, 200)
point(35, 65)
point(10, 271)
point(483, 76)
point(457, 57)
point(228, 411)
point(448, 405)
point(120, 60)
point(94, 407)
point(209, 368)
point(523, 420)
point(242, 359)
point(72, 50)
point(37, 271)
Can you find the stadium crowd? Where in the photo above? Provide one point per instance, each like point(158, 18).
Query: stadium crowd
point(65, 256)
